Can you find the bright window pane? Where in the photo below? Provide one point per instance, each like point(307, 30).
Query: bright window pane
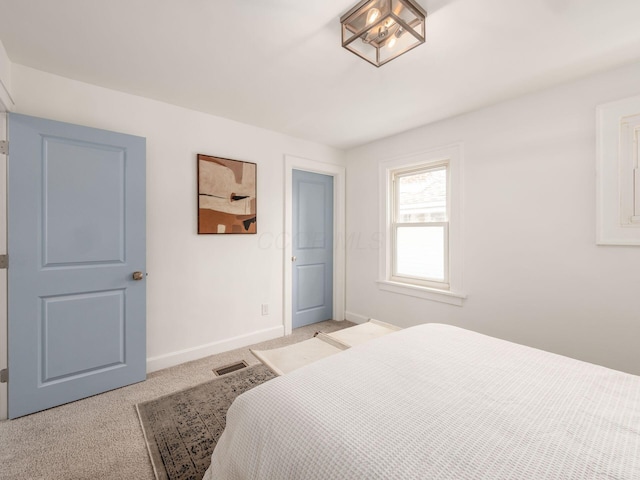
point(422, 196)
point(420, 252)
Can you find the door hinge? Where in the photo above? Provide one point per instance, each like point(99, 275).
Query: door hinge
point(4, 375)
point(4, 147)
point(4, 261)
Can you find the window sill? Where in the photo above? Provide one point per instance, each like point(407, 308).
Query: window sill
point(444, 296)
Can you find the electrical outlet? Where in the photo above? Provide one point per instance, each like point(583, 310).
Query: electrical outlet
point(265, 309)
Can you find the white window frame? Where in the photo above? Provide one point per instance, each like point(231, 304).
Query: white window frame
point(618, 173)
point(395, 224)
point(450, 291)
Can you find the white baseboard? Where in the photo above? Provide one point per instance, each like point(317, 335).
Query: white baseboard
point(181, 356)
point(356, 318)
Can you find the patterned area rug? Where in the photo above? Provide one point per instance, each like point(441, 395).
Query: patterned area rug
point(182, 429)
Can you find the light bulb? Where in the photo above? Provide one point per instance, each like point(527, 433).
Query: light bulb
point(392, 42)
point(373, 15)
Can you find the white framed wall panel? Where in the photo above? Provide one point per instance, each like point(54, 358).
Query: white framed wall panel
point(618, 173)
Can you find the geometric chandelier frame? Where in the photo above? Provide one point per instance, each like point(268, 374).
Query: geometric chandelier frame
point(380, 30)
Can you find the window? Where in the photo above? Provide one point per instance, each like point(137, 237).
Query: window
point(420, 217)
point(618, 173)
point(420, 226)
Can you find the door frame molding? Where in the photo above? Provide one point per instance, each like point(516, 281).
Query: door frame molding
point(338, 173)
point(7, 104)
point(4, 294)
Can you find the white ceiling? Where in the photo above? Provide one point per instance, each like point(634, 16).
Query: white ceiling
point(278, 64)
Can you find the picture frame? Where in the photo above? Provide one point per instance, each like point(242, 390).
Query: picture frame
point(227, 202)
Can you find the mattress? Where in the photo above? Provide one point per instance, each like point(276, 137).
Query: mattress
point(436, 402)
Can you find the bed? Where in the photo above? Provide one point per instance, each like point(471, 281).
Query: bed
point(436, 402)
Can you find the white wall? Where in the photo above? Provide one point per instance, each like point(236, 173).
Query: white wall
point(6, 101)
point(531, 268)
point(204, 291)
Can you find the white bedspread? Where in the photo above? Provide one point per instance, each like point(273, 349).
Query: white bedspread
point(436, 402)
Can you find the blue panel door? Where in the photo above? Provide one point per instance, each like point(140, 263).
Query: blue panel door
point(76, 235)
point(312, 277)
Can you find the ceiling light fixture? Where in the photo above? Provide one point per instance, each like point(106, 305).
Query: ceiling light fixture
point(381, 30)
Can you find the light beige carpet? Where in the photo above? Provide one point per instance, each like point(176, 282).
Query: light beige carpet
point(100, 437)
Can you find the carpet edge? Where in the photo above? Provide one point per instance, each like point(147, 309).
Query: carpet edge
point(146, 441)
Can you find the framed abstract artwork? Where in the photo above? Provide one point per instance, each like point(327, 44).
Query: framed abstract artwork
point(226, 195)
